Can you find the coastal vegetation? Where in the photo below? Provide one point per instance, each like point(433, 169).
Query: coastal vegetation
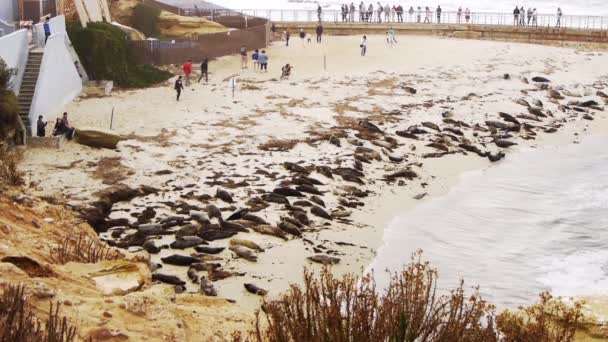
point(104, 52)
point(145, 19)
point(327, 308)
point(9, 107)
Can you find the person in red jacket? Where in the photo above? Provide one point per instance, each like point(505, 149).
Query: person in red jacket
point(187, 71)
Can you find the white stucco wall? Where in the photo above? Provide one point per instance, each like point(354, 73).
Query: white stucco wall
point(58, 82)
point(14, 51)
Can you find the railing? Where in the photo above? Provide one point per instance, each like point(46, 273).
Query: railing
point(475, 18)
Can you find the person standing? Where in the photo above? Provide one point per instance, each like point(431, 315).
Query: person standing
point(411, 13)
point(467, 15)
point(535, 17)
point(400, 13)
point(363, 45)
point(529, 15)
point(379, 12)
point(41, 127)
point(319, 33)
point(179, 86)
point(516, 16)
point(343, 11)
point(387, 13)
point(319, 12)
point(559, 17)
point(427, 15)
point(243, 54)
point(204, 70)
point(522, 16)
point(287, 36)
point(47, 29)
point(361, 12)
point(391, 37)
point(459, 15)
point(352, 12)
point(370, 13)
point(438, 14)
point(419, 14)
point(255, 56)
point(263, 59)
point(302, 36)
point(187, 71)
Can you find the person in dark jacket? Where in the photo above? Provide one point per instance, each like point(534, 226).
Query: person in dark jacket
point(63, 127)
point(204, 70)
point(41, 127)
point(287, 36)
point(516, 16)
point(319, 33)
point(179, 86)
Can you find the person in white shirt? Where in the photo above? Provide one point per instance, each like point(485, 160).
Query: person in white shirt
point(427, 15)
point(535, 17)
point(419, 15)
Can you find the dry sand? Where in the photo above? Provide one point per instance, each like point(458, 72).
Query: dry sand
point(209, 137)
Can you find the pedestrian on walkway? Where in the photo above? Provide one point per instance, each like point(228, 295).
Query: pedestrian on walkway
point(459, 15)
point(179, 86)
point(419, 13)
point(529, 15)
point(319, 12)
point(187, 68)
point(411, 13)
point(363, 45)
point(467, 15)
point(438, 14)
point(535, 17)
point(427, 15)
point(353, 9)
point(47, 28)
point(379, 12)
point(370, 13)
point(387, 13)
point(516, 16)
point(204, 70)
point(287, 36)
point(559, 17)
point(522, 16)
point(319, 33)
point(244, 60)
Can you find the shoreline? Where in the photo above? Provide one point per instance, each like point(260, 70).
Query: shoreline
point(194, 138)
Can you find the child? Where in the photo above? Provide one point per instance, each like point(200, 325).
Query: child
point(286, 71)
point(263, 60)
point(41, 132)
point(243, 54)
point(179, 85)
point(255, 58)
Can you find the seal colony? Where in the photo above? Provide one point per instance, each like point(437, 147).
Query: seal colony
point(233, 198)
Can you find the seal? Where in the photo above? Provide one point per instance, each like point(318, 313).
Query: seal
point(244, 253)
point(289, 228)
point(215, 234)
point(150, 247)
point(167, 279)
point(251, 288)
point(246, 243)
point(187, 242)
point(267, 229)
point(208, 249)
point(224, 195)
point(179, 260)
point(318, 211)
point(192, 274)
point(324, 259)
point(207, 288)
point(287, 192)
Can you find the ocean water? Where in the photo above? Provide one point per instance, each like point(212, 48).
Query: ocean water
point(537, 221)
point(580, 7)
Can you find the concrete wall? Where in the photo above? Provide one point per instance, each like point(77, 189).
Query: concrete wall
point(14, 51)
point(538, 35)
point(8, 11)
point(58, 82)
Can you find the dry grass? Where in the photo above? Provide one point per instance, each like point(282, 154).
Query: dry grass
point(351, 309)
point(82, 249)
point(9, 166)
point(18, 324)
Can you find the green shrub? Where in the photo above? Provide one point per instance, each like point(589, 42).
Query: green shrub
point(104, 52)
point(145, 19)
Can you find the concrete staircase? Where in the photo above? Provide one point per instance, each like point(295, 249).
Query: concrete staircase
point(28, 87)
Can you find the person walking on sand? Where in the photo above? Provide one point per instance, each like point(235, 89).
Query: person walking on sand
point(187, 71)
point(516, 16)
point(287, 36)
point(243, 54)
point(255, 59)
point(63, 127)
point(302, 36)
point(467, 15)
point(47, 29)
point(204, 70)
point(390, 37)
point(319, 33)
point(263, 59)
point(427, 15)
point(438, 14)
point(363, 45)
point(41, 127)
point(559, 17)
point(179, 86)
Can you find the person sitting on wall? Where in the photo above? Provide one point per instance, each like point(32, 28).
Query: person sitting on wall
point(41, 127)
point(63, 127)
point(47, 29)
point(286, 71)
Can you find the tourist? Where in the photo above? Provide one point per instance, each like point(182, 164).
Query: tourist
point(393, 13)
point(286, 71)
point(459, 15)
point(187, 71)
point(516, 16)
point(400, 13)
point(529, 15)
point(352, 12)
point(411, 13)
point(362, 12)
point(41, 127)
point(56, 128)
point(243, 54)
point(308, 38)
point(204, 70)
point(319, 33)
point(370, 13)
point(179, 86)
point(467, 15)
point(390, 37)
point(559, 17)
point(344, 12)
point(419, 13)
point(438, 14)
point(387, 13)
point(287, 36)
point(63, 127)
point(263, 59)
point(522, 16)
point(379, 13)
point(427, 15)
point(319, 12)
point(255, 56)
point(535, 17)
point(47, 28)
point(363, 45)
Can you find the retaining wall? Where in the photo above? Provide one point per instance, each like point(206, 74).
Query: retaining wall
point(14, 51)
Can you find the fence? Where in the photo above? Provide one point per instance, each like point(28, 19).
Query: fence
point(476, 18)
point(35, 10)
point(211, 45)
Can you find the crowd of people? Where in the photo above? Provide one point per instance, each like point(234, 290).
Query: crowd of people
point(398, 14)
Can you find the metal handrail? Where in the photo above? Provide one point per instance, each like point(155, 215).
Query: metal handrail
point(446, 17)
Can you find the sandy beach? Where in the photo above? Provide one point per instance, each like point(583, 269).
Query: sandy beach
point(210, 140)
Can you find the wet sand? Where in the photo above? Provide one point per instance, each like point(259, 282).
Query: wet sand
point(210, 140)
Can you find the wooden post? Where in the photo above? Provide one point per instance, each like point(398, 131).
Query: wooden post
point(325, 62)
point(112, 118)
